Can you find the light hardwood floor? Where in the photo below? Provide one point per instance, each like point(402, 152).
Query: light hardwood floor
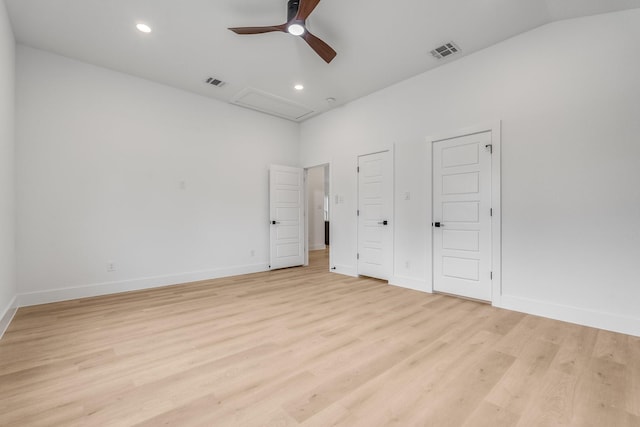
point(303, 347)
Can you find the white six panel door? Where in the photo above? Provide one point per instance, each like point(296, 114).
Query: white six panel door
point(286, 212)
point(375, 206)
point(462, 216)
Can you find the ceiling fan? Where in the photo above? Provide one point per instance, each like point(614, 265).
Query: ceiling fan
point(297, 14)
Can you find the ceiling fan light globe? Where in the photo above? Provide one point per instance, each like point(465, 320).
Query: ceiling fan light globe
point(296, 29)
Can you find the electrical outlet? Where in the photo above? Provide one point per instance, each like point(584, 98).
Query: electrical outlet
point(407, 265)
point(253, 252)
point(111, 266)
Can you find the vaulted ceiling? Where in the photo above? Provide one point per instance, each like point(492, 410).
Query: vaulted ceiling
point(378, 42)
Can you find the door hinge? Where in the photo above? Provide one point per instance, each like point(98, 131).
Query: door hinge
point(491, 212)
point(491, 275)
point(358, 256)
point(358, 212)
point(490, 147)
point(358, 169)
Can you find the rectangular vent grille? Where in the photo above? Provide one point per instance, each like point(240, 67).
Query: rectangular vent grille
point(445, 50)
point(215, 82)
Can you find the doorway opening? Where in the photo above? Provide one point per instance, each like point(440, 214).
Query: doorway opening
point(318, 217)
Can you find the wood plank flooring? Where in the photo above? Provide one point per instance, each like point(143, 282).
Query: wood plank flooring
point(304, 347)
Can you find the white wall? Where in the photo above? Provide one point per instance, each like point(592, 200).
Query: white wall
point(315, 207)
point(168, 185)
point(568, 95)
point(7, 160)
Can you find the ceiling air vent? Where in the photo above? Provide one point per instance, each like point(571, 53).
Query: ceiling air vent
point(445, 50)
point(215, 82)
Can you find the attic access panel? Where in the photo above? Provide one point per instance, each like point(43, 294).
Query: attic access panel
point(271, 104)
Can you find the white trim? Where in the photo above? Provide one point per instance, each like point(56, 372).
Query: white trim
point(7, 315)
point(580, 316)
point(305, 214)
point(409, 283)
point(64, 294)
point(332, 209)
point(496, 198)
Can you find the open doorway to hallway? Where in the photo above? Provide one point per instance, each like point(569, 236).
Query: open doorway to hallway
point(318, 227)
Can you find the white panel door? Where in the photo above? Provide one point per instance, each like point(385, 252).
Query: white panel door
point(286, 212)
point(462, 216)
point(375, 207)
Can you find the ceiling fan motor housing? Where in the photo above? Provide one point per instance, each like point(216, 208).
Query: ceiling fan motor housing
point(292, 9)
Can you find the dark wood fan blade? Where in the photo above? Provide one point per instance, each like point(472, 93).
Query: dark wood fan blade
point(324, 50)
point(305, 8)
point(259, 30)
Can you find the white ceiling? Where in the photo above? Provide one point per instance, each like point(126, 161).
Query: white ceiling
point(378, 42)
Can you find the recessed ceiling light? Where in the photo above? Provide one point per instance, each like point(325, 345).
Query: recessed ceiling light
point(144, 28)
point(298, 87)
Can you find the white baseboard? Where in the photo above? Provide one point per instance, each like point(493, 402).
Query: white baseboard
point(344, 269)
point(64, 294)
point(317, 247)
point(408, 283)
point(596, 319)
point(6, 315)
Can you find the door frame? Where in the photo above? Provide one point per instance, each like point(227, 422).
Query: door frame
point(496, 199)
point(306, 214)
point(391, 151)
